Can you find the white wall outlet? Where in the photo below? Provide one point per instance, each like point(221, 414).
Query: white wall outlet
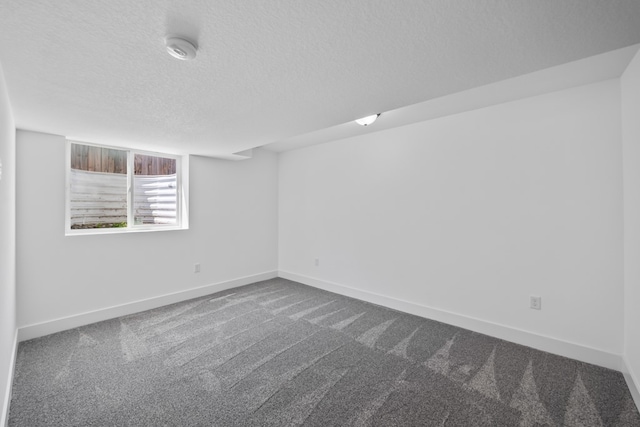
point(317, 262)
point(196, 267)
point(536, 302)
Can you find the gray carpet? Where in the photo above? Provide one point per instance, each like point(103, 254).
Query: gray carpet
point(278, 353)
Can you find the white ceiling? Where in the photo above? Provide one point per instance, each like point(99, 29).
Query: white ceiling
point(276, 71)
point(595, 68)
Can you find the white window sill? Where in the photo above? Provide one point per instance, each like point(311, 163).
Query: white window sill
point(122, 230)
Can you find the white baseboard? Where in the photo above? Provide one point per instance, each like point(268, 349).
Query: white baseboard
point(632, 381)
point(4, 415)
point(62, 324)
point(518, 336)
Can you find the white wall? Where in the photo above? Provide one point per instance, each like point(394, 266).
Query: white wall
point(630, 85)
point(473, 213)
point(7, 246)
point(233, 234)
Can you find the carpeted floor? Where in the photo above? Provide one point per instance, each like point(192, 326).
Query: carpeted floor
point(278, 353)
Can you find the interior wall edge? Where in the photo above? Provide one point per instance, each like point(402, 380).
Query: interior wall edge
point(632, 380)
point(62, 324)
point(4, 415)
point(540, 342)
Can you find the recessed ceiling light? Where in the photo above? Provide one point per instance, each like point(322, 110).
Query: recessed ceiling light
point(181, 48)
point(366, 121)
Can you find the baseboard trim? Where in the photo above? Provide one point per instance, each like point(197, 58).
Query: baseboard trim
point(4, 415)
point(632, 381)
point(62, 324)
point(518, 336)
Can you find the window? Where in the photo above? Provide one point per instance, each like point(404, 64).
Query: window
point(113, 189)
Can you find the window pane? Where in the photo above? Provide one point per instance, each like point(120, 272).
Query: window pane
point(155, 187)
point(98, 187)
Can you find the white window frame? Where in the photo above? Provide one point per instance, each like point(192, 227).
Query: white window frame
point(182, 174)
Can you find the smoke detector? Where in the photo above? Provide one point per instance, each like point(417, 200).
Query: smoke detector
point(181, 48)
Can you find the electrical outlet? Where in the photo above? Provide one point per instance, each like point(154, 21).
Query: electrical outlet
point(317, 261)
point(536, 303)
point(196, 268)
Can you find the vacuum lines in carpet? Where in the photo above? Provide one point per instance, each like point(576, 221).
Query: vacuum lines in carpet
point(278, 353)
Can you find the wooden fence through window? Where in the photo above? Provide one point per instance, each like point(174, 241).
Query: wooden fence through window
point(110, 160)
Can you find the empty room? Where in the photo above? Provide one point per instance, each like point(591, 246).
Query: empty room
point(320, 213)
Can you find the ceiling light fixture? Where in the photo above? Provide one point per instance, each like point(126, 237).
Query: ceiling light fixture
point(181, 48)
point(366, 121)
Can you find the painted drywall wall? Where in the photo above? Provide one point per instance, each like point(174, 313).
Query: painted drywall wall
point(630, 90)
point(7, 246)
point(232, 234)
point(473, 213)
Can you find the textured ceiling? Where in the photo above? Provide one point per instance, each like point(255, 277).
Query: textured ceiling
point(268, 71)
point(593, 69)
